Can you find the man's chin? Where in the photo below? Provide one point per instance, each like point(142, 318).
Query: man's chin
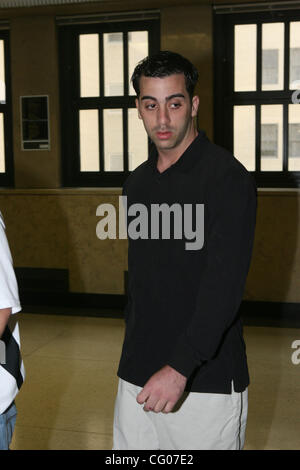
point(164, 144)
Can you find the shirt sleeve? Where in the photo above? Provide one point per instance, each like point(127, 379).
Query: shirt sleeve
point(9, 295)
point(230, 218)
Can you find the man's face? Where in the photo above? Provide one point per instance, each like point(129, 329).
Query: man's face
point(165, 107)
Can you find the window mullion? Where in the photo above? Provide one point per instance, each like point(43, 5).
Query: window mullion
point(286, 88)
point(125, 138)
point(286, 56)
point(125, 63)
point(126, 93)
point(100, 108)
point(101, 139)
point(285, 136)
point(101, 65)
point(258, 88)
point(258, 137)
point(259, 57)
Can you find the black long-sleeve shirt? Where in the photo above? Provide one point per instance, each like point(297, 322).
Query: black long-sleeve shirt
point(183, 303)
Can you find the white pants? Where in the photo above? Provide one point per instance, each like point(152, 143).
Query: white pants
point(200, 421)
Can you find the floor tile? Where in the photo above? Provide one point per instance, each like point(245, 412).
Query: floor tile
point(35, 438)
point(67, 400)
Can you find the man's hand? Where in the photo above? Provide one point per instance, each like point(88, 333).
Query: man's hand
point(163, 390)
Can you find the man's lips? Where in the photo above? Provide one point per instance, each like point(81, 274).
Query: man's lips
point(164, 134)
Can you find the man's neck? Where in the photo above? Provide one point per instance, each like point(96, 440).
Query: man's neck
point(167, 158)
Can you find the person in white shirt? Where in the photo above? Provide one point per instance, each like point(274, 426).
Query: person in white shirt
point(12, 371)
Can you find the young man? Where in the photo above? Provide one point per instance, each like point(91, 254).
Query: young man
point(183, 373)
point(11, 366)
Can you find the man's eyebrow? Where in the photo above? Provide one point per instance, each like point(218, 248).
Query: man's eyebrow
point(168, 98)
point(148, 97)
point(176, 95)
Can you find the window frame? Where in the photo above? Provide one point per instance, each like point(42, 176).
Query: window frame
point(7, 178)
point(225, 98)
point(71, 101)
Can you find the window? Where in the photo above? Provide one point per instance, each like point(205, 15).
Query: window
point(6, 163)
point(294, 140)
point(102, 137)
point(295, 65)
point(270, 66)
point(257, 73)
point(269, 140)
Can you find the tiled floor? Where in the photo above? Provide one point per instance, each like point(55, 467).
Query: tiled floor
point(67, 400)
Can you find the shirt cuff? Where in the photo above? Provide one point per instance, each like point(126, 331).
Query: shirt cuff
point(183, 358)
point(11, 303)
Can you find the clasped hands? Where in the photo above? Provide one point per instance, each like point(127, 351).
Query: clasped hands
point(162, 391)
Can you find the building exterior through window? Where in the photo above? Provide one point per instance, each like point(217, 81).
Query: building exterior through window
point(107, 138)
point(259, 64)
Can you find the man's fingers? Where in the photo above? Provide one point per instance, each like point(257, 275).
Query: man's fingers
point(142, 396)
point(169, 407)
point(150, 404)
point(153, 403)
point(157, 405)
point(160, 405)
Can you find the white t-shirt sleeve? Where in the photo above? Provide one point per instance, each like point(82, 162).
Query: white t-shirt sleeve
point(9, 294)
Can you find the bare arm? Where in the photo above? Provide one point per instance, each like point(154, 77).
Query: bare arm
point(4, 316)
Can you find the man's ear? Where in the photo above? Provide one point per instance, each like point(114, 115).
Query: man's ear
point(195, 105)
point(138, 108)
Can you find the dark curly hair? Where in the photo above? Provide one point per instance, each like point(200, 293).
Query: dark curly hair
point(164, 64)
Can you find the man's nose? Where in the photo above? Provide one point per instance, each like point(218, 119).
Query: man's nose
point(163, 115)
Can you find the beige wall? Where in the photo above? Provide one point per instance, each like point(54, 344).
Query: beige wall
point(34, 71)
point(188, 30)
point(275, 270)
point(56, 228)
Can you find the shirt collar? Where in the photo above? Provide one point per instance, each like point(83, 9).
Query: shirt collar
point(187, 160)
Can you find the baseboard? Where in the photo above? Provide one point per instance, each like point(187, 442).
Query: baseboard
point(44, 290)
point(273, 314)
